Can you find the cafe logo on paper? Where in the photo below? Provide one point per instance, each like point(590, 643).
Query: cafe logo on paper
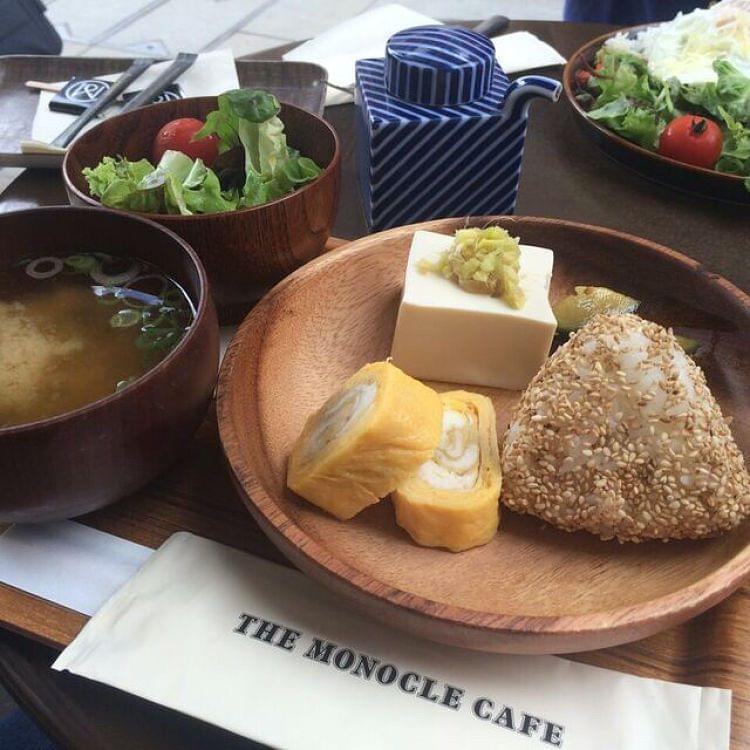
point(85, 91)
point(363, 666)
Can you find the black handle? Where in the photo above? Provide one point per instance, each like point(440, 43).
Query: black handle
point(492, 26)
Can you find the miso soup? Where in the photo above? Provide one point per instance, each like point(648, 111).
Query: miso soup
point(76, 328)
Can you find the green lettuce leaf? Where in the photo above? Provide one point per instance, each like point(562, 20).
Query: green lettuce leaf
point(223, 122)
point(190, 187)
point(300, 169)
point(249, 119)
point(115, 182)
point(174, 196)
point(622, 74)
point(735, 152)
point(272, 169)
point(250, 105)
point(634, 123)
point(176, 164)
point(731, 92)
point(627, 100)
point(208, 198)
point(612, 109)
point(177, 185)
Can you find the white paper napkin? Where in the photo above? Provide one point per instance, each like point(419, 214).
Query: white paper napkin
point(68, 563)
point(211, 74)
point(365, 35)
point(522, 50)
point(243, 643)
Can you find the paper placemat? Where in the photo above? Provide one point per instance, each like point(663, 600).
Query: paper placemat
point(269, 654)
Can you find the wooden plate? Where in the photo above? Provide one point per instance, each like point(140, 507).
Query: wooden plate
point(534, 589)
point(653, 166)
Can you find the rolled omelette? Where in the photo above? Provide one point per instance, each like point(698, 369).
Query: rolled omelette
point(379, 428)
point(453, 498)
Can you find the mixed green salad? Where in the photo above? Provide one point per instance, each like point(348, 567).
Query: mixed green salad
point(706, 124)
point(239, 157)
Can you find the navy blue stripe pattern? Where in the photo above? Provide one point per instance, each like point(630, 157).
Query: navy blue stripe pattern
point(439, 66)
point(419, 160)
point(384, 108)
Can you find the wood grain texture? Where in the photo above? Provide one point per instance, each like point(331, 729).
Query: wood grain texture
point(197, 495)
point(650, 164)
point(522, 592)
point(562, 176)
point(76, 462)
point(299, 83)
point(245, 252)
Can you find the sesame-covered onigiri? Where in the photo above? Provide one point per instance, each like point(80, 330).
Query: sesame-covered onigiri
point(618, 434)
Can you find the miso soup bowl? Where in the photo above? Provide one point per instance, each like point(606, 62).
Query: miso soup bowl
point(247, 251)
point(81, 460)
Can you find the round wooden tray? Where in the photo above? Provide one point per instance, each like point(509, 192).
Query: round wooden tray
point(533, 589)
point(650, 164)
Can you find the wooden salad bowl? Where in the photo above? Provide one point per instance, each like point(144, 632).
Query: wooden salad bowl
point(534, 588)
point(81, 460)
point(650, 164)
point(247, 251)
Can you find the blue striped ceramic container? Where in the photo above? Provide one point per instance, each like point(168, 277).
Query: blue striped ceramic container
point(440, 129)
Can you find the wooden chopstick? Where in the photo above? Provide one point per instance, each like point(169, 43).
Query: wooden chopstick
point(43, 86)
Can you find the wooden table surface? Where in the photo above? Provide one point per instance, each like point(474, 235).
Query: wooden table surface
point(563, 176)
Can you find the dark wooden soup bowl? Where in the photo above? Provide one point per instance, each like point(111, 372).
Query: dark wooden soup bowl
point(77, 462)
point(245, 252)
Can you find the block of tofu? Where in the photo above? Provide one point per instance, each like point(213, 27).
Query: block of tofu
point(446, 333)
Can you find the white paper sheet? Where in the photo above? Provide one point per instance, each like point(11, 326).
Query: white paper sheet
point(522, 50)
point(68, 563)
point(211, 74)
point(338, 48)
point(365, 35)
point(180, 634)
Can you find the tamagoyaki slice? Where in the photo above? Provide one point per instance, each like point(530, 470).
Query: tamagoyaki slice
point(367, 438)
point(452, 500)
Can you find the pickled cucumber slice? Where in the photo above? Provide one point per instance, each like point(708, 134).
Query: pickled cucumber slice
point(577, 309)
point(689, 345)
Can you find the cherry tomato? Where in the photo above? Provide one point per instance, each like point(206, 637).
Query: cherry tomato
point(178, 136)
point(583, 77)
point(693, 140)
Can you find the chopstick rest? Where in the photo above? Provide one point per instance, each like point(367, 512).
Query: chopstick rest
point(78, 94)
point(138, 67)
